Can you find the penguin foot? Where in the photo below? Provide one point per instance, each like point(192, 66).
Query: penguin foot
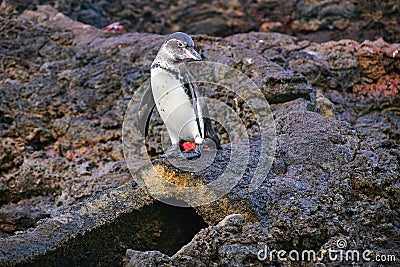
point(193, 154)
point(172, 153)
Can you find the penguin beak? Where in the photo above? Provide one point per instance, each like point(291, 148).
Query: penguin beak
point(191, 54)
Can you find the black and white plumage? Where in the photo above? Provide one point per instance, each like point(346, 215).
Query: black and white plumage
point(176, 97)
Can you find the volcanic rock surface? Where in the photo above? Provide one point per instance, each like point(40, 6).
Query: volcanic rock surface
point(66, 191)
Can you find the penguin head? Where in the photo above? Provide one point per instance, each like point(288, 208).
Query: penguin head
point(179, 47)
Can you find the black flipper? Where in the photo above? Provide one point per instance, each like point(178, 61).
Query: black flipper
point(145, 109)
point(209, 132)
point(191, 91)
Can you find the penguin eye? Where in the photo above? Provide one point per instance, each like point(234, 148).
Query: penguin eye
point(180, 44)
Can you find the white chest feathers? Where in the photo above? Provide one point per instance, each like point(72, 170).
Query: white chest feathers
point(176, 107)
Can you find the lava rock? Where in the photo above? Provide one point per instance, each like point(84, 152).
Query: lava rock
point(313, 20)
point(65, 86)
point(232, 242)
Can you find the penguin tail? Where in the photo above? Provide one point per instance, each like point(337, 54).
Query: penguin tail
point(209, 132)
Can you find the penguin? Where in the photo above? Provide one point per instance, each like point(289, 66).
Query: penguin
point(176, 97)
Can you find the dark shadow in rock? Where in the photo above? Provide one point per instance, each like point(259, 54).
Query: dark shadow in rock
point(155, 227)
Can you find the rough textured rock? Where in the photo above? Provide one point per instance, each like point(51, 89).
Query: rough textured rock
point(343, 65)
point(232, 242)
point(307, 19)
point(65, 86)
point(69, 224)
point(10, 157)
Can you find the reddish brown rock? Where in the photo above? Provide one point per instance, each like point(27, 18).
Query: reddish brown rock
point(386, 85)
point(377, 58)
